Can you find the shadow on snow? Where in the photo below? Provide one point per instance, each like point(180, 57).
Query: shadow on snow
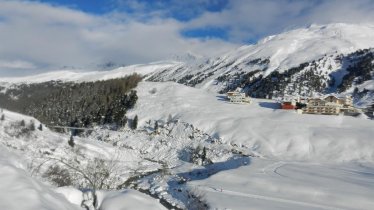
point(270, 105)
point(209, 170)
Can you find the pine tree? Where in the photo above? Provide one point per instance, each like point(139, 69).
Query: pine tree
point(22, 123)
point(135, 122)
point(40, 127)
point(2, 117)
point(156, 126)
point(71, 141)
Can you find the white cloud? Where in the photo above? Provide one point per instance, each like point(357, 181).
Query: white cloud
point(53, 36)
point(50, 36)
point(16, 64)
point(253, 19)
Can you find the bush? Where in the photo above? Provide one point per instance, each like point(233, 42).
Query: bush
point(32, 125)
point(59, 176)
point(196, 200)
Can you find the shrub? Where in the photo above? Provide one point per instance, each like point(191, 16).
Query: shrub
point(59, 176)
point(196, 200)
point(32, 125)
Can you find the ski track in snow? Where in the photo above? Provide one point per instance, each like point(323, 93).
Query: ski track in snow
point(273, 169)
point(268, 198)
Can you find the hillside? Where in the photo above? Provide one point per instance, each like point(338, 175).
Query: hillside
point(260, 127)
point(306, 62)
point(162, 135)
point(202, 144)
point(312, 61)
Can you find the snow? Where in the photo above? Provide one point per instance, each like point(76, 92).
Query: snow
point(26, 153)
point(298, 46)
point(19, 191)
point(284, 51)
point(259, 127)
point(129, 199)
point(296, 161)
point(73, 76)
point(269, 184)
point(299, 161)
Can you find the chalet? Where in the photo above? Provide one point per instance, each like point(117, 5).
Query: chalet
point(237, 97)
point(330, 105)
point(320, 106)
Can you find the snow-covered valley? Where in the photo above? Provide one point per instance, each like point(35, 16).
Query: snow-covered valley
point(173, 141)
point(263, 157)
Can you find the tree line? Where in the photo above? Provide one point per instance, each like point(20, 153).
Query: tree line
point(74, 104)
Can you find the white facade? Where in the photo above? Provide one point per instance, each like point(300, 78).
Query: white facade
point(237, 97)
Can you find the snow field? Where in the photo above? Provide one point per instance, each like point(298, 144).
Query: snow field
point(258, 127)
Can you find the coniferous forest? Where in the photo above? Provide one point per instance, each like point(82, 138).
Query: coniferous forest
point(84, 104)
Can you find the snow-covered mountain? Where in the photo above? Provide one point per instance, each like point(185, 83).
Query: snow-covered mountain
point(158, 142)
point(312, 60)
point(85, 76)
point(319, 59)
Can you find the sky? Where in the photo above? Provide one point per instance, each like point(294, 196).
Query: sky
point(44, 35)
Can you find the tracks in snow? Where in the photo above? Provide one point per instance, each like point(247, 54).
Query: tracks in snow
point(267, 198)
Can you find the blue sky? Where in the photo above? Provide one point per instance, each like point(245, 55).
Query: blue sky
point(179, 10)
point(44, 35)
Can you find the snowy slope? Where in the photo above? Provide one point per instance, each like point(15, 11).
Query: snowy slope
point(285, 50)
point(323, 47)
point(294, 47)
point(23, 155)
point(135, 153)
point(19, 191)
point(66, 75)
point(298, 46)
point(268, 185)
point(259, 127)
point(276, 53)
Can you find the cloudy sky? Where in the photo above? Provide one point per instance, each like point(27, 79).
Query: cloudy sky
point(43, 35)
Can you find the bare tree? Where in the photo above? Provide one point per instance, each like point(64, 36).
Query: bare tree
point(97, 174)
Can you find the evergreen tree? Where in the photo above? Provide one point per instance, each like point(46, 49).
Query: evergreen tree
point(156, 126)
point(71, 141)
point(135, 122)
point(2, 117)
point(22, 123)
point(40, 127)
point(203, 156)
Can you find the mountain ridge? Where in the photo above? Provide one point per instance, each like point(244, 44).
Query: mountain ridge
point(324, 46)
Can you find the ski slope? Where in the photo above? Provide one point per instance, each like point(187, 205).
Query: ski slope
point(259, 127)
point(269, 184)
